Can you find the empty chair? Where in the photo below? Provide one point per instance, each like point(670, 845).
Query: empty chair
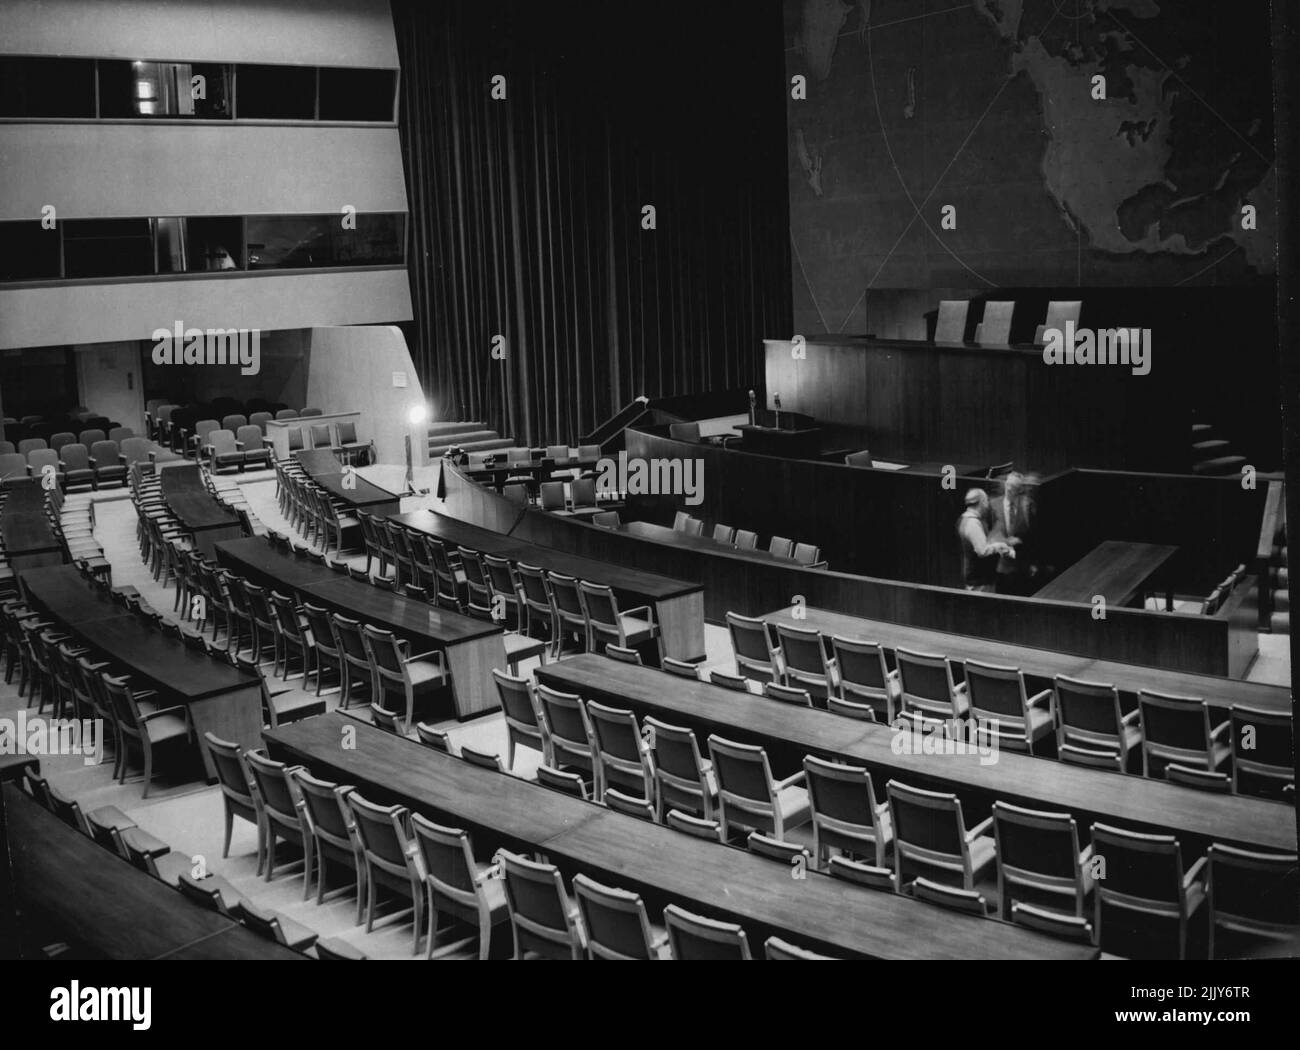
point(1199, 779)
point(90, 436)
point(1145, 893)
point(692, 526)
point(312, 412)
point(213, 893)
point(780, 547)
point(520, 711)
point(757, 655)
point(859, 459)
point(845, 813)
point(607, 624)
point(105, 459)
point(950, 897)
point(568, 734)
point(276, 926)
point(582, 493)
point(629, 806)
point(695, 937)
point(1253, 900)
point(145, 727)
point(930, 834)
point(390, 858)
point(14, 465)
point(27, 445)
point(723, 534)
point(808, 554)
point(239, 795)
point(457, 885)
point(248, 439)
point(259, 420)
point(412, 678)
point(697, 827)
point(436, 739)
point(788, 695)
point(338, 950)
point(616, 923)
point(806, 664)
point(746, 540)
point(43, 463)
point(868, 875)
point(224, 454)
point(1003, 707)
point(927, 688)
point(569, 611)
point(607, 519)
point(197, 442)
point(1177, 729)
point(684, 431)
point(77, 469)
point(622, 655)
point(234, 421)
point(749, 798)
point(1039, 860)
point(1089, 717)
point(552, 495)
point(282, 809)
point(788, 853)
point(1262, 745)
point(287, 413)
point(734, 682)
point(683, 778)
point(777, 950)
point(333, 837)
point(865, 678)
point(544, 921)
point(57, 441)
point(681, 668)
point(482, 759)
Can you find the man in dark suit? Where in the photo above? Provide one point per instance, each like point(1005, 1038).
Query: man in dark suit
point(1013, 524)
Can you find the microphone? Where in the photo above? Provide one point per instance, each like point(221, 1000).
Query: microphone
point(776, 402)
point(752, 419)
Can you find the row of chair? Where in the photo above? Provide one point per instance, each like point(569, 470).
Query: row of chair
point(311, 510)
point(87, 437)
point(805, 554)
point(46, 427)
point(173, 426)
point(74, 466)
point(1174, 734)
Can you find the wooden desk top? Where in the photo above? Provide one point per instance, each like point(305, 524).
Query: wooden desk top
point(1148, 805)
point(1043, 663)
point(106, 904)
point(324, 468)
point(191, 502)
point(1115, 569)
point(839, 918)
point(23, 524)
point(629, 583)
point(128, 640)
point(405, 617)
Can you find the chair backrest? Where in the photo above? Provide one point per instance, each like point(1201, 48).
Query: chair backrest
point(260, 419)
point(996, 692)
point(607, 519)
point(777, 950)
point(858, 459)
point(312, 411)
point(482, 759)
point(552, 495)
point(320, 434)
point(583, 492)
point(1143, 867)
point(136, 450)
point(1200, 779)
point(698, 827)
point(729, 681)
point(926, 676)
point(347, 432)
point(788, 853)
point(924, 889)
point(756, 656)
point(615, 921)
point(287, 413)
point(90, 436)
point(557, 451)
point(327, 806)
point(234, 421)
point(868, 875)
point(1088, 711)
point(75, 457)
point(558, 780)
point(788, 694)
point(516, 699)
point(680, 668)
point(684, 431)
point(565, 593)
point(587, 453)
point(539, 908)
point(841, 796)
point(1178, 722)
point(807, 553)
point(382, 833)
point(679, 520)
point(693, 526)
point(746, 540)
point(565, 718)
point(274, 783)
point(862, 668)
point(449, 866)
point(677, 753)
point(929, 821)
point(1251, 891)
point(250, 436)
point(620, 802)
point(1053, 923)
point(40, 458)
point(781, 547)
point(57, 441)
point(1036, 849)
point(436, 739)
point(104, 453)
point(695, 937)
point(744, 775)
point(1262, 747)
point(805, 656)
point(222, 442)
point(623, 655)
point(14, 464)
point(723, 534)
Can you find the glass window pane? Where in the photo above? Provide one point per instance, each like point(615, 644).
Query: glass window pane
point(47, 87)
point(276, 92)
point(28, 252)
point(197, 90)
point(356, 94)
point(107, 248)
point(202, 245)
point(289, 241)
point(376, 241)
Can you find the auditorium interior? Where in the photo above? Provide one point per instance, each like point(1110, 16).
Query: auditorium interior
point(490, 480)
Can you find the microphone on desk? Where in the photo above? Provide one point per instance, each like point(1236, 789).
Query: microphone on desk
point(752, 418)
point(776, 403)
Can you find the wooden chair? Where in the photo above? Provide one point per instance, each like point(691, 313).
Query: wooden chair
point(1262, 752)
point(806, 663)
point(868, 875)
point(482, 759)
point(746, 540)
point(1198, 779)
point(569, 610)
point(757, 655)
point(845, 813)
point(620, 755)
point(1039, 859)
point(1052, 923)
point(683, 779)
point(1089, 717)
point(519, 707)
point(1145, 886)
point(697, 827)
point(1177, 729)
point(285, 812)
point(927, 688)
point(930, 833)
point(748, 796)
point(681, 668)
point(950, 897)
point(276, 926)
point(777, 950)
point(543, 919)
point(1003, 707)
point(617, 923)
point(607, 625)
point(786, 695)
point(350, 643)
point(396, 671)
point(238, 791)
point(724, 534)
point(333, 833)
point(557, 780)
point(629, 805)
point(433, 738)
point(780, 547)
point(458, 885)
point(391, 859)
point(566, 731)
point(735, 683)
point(623, 655)
point(145, 727)
point(1253, 899)
point(695, 937)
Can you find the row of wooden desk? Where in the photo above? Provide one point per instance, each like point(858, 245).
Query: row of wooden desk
point(790, 732)
point(99, 901)
point(345, 484)
point(221, 699)
point(539, 470)
point(472, 647)
point(29, 541)
point(678, 604)
point(1046, 664)
point(203, 516)
point(838, 918)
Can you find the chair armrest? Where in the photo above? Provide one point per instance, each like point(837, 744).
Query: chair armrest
point(979, 829)
point(1195, 871)
point(432, 653)
point(798, 778)
point(185, 712)
point(1131, 717)
point(239, 446)
point(1038, 698)
point(649, 612)
point(1219, 730)
point(92, 461)
point(960, 689)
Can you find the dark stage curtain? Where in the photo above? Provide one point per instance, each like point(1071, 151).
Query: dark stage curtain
point(526, 214)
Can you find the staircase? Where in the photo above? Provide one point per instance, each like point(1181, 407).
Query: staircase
point(1279, 621)
point(472, 437)
point(1212, 453)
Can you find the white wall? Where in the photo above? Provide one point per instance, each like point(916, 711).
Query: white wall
point(350, 369)
point(287, 32)
point(54, 315)
point(108, 381)
point(128, 170)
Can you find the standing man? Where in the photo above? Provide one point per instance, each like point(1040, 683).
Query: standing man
point(979, 554)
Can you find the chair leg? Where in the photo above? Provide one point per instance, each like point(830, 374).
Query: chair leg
point(370, 901)
point(417, 903)
point(432, 924)
point(148, 765)
point(270, 852)
point(361, 890)
point(308, 864)
point(230, 827)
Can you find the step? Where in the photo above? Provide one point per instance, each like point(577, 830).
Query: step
point(1200, 431)
point(1282, 600)
point(1212, 445)
point(456, 428)
point(1280, 623)
point(437, 451)
point(1219, 467)
point(469, 437)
